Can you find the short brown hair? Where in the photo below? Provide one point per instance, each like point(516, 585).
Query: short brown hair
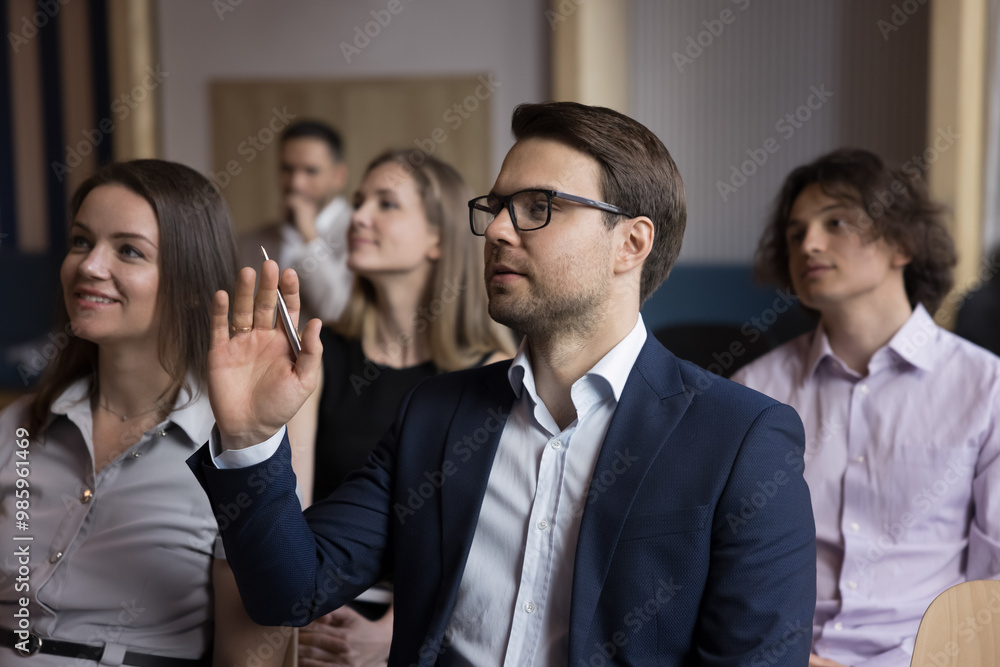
point(460, 331)
point(895, 206)
point(197, 258)
point(637, 172)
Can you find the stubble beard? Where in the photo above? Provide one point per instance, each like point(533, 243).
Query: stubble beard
point(544, 314)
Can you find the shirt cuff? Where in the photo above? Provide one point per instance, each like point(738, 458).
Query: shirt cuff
point(246, 457)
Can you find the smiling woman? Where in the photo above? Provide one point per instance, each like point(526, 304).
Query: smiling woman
point(116, 517)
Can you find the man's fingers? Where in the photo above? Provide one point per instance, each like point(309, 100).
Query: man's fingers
point(308, 367)
point(267, 296)
point(290, 292)
point(219, 334)
point(243, 303)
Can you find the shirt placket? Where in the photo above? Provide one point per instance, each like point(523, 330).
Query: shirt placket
point(80, 506)
point(533, 587)
point(852, 517)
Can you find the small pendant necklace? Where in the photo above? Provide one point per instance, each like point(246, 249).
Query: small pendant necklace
point(125, 418)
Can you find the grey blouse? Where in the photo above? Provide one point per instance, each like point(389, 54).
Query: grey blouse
point(122, 558)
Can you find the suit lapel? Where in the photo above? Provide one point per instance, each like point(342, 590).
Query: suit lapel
point(483, 408)
point(652, 403)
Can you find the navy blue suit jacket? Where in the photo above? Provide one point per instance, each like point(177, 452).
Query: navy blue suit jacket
point(696, 545)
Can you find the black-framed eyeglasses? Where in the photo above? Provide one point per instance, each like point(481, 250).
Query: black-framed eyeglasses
point(528, 209)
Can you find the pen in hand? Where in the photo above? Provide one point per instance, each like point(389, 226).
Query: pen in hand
point(286, 319)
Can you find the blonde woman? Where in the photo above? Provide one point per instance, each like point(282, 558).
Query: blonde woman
point(418, 308)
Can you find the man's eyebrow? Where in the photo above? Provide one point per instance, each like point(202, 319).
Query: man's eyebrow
point(547, 188)
point(118, 235)
point(825, 209)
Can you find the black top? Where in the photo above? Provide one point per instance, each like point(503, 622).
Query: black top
point(359, 402)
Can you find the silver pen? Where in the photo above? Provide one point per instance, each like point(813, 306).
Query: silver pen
point(286, 319)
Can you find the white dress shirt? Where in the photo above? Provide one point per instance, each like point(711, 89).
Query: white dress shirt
point(513, 604)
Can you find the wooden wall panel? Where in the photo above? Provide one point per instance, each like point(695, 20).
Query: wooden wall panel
point(372, 115)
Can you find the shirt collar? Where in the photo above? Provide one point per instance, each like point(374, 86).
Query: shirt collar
point(614, 367)
point(913, 343)
point(819, 349)
point(194, 417)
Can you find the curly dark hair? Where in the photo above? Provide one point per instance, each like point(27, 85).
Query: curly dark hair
point(896, 207)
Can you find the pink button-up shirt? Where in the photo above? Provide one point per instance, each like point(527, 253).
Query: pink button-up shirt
point(903, 466)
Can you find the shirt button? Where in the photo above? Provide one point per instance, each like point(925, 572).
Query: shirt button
point(543, 524)
point(136, 453)
point(863, 388)
point(860, 459)
point(161, 433)
point(529, 607)
point(56, 557)
point(87, 495)
point(556, 444)
point(852, 585)
point(855, 527)
point(838, 626)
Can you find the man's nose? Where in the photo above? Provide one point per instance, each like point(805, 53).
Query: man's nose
point(815, 239)
point(502, 229)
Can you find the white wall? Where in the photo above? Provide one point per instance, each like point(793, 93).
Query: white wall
point(761, 66)
point(302, 39)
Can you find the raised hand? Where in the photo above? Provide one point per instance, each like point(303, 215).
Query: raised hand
point(254, 383)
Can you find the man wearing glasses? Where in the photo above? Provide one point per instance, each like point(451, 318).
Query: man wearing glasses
point(594, 501)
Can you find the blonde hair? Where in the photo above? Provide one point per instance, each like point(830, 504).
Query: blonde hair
point(459, 329)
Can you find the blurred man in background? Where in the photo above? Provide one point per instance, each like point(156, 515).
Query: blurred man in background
point(311, 237)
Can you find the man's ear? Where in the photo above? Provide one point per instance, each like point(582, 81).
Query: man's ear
point(900, 257)
point(633, 243)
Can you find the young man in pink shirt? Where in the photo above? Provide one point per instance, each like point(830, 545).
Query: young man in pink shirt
point(902, 453)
